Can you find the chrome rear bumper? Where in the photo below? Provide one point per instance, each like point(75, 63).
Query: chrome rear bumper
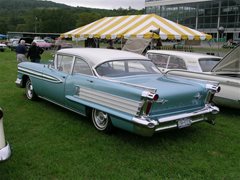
point(149, 126)
point(207, 109)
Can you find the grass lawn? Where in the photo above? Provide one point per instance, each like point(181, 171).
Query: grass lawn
point(49, 142)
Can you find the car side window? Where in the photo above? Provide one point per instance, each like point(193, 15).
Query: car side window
point(159, 60)
point(80, 66)
point(64, 63)
point(120, 68)
point(176, 63)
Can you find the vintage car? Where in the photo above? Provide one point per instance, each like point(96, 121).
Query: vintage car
point(62, 44)
point(119, 89)
point(167, 59)
point(2, 47)
point(13, 43)
point(227, 73)
point(5, 150)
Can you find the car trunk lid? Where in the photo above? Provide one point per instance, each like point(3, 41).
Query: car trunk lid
point(176, 95)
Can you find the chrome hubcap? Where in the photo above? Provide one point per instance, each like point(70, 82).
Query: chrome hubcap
point(101, 119)
point(29, 90)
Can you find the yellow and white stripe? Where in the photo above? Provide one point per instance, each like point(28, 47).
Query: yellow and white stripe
point(136, 26)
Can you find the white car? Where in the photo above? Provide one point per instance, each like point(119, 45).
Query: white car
point(13, 43)
point(5, 150)
point(166, 59)
point(227, 73)
point(2, 47)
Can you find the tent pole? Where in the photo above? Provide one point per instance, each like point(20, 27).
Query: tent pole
point(121, 43)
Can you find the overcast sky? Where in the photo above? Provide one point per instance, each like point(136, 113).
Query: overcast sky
point(105, 4)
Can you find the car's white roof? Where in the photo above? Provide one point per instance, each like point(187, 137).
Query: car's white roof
point(95, 56)
point(183, 54)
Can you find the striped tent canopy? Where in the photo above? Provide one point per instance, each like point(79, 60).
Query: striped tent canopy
point(136, 26)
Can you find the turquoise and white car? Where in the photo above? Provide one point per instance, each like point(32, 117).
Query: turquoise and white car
point(5, 151)
point(119, 89)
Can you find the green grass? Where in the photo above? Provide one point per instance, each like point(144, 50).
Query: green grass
point(49, 142)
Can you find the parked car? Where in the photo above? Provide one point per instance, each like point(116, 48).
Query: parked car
point(48, 39)
point(227, 73)
point(167, 59)
point(43, 44)
point(13, 43)
point(119, 89)
point(2, 47)
point(5, 150)
point(28, 40)
point(61, 44)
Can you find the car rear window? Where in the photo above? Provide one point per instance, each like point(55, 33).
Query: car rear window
point(122, 68)
point(176, 63)
point(167, 61)
point(208, 63)
point(159, 60)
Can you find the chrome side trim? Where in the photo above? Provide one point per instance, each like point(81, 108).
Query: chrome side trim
point(106, 99)
point(5, 152)
point(39, 75)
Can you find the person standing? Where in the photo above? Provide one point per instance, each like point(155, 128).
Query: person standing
point(21, 51)
point(34, 53)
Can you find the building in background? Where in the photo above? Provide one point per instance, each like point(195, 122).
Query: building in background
point(203, 15)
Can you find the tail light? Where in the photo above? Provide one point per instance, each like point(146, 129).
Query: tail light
point(148, 108)
point(212, 90)
point(155, 97)
point(149, 99)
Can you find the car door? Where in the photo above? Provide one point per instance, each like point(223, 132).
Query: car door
point(53, 86)
point(81, 77)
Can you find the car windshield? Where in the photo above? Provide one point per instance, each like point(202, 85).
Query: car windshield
point(230, 63)
point(120, 68)
point(208, 63)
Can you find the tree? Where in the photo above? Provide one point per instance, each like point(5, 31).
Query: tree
point(86, 18)
point(20, 15)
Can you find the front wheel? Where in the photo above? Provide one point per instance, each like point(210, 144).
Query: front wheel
point(101, 121)
point(31, 95)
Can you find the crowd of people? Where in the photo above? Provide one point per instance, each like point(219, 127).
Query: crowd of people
point(24, 54)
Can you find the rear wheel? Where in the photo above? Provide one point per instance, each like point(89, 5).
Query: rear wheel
point(31, 95)
point(101, 121)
